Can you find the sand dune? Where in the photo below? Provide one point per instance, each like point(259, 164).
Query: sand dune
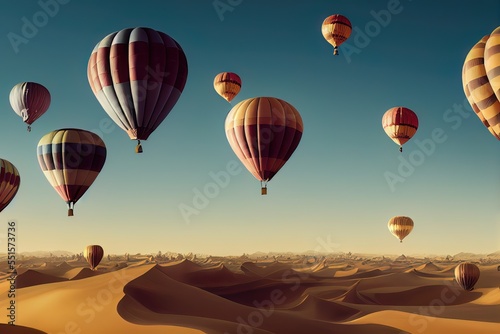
point(416, 323)
point(294, 295)
point(346, 273)
point(33, 277)
point(8, 329)
point(428, 267)
point(419, 296)
point(325, 310)
point(160, 294)
point(80, 273)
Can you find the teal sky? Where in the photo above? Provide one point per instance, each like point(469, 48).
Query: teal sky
point(332, 195)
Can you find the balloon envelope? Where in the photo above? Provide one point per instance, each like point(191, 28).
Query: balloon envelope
point(400, 226)
point(71, 159)
point(93, 254)
point(30, 100)
point(492, 61)
point(400, 124)
point(336, 29)
point(227, 85)
point(9, 183)
point(263, 133)
point(481, 81)
point(137, 75)
point(466, 275)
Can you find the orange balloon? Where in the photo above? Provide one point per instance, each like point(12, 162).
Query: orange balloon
point(263, 133)
point(400, 124)
point(227, 85)
point(400, 226)
point(336, 29)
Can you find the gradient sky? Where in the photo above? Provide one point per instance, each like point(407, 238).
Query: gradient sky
point(332, 195)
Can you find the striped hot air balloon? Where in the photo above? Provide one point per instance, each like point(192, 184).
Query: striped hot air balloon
point(137, 75)
point(400, 226)
point(492, 61)
point(336, 29)
point(466, 275)
point(474, 106)
point(30, 100)
point(481, 81)
point(263, 133)
point(71, 159)
point(9, 183)
point(93, 254)
point(227, 85)
point(400, 124)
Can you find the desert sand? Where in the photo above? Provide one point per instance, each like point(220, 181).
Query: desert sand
point(269, 294)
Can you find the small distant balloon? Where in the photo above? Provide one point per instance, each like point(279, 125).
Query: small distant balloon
point(466, 275)
point(227, 85)
point(336, 29)
point(400, 226)
point(93, 254)
point(30, 100)
point(400, 124)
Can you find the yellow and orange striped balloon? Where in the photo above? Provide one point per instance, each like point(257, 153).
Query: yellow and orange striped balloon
point(336, 29)
point(400, 226)
point(227, 85)
point(400, 124)
point(9, 183)
point(467, 275)
point(481, 81)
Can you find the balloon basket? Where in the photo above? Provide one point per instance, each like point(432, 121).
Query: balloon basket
point(138, 148)
point(335, 52)
point(70, 212)
point(263, 191)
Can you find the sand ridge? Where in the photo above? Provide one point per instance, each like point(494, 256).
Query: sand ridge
point(218, 295)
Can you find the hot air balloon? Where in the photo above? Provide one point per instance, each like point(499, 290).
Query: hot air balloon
point(475, 107)
point(93, 254)
point(481, 81)
point(336, 29)
point(30, 100)
point(263, 133)
point(9, 183)
point(227, 85)
point(400, 124)
point(400, 226)
point(137, 75)
point(466, 275)
point(71, 159)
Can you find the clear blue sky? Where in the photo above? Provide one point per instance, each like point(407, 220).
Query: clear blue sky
point(333, 191)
